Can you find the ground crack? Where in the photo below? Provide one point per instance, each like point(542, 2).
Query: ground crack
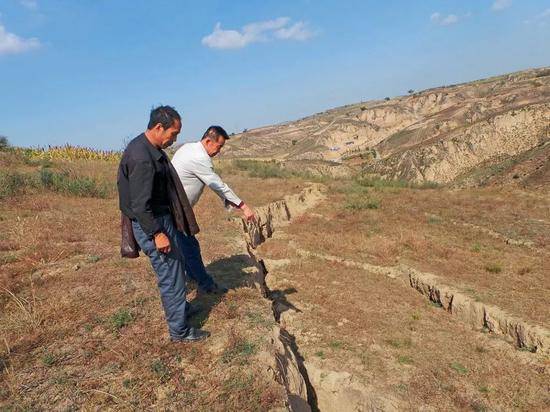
point(291, 370)
point(479, 315)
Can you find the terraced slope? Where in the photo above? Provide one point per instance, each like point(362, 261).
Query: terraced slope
point(442, 134)
point(373, 329)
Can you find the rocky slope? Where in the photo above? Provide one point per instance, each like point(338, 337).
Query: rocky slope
point(444, 134)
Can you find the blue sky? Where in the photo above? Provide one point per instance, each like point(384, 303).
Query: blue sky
point(87, 72)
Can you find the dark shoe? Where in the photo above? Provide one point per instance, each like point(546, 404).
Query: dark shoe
point(192, 310)
point(214, 289)
point(192, 335)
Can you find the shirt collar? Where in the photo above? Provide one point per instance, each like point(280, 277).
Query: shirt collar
point(202, 148)
point(155, 152)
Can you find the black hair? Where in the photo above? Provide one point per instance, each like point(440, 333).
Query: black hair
point(165, 115)
point(215, 132)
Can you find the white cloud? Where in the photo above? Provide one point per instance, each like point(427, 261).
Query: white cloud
point(435, 17)
point(225, 39)
point(298, 31)
point(441, 20)
point(261, 31)
point(540, 19)
point(12, 44)
point(501, 5)
point(29, 4)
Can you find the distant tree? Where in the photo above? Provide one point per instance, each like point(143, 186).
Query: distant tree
point(411, 91)
point(245, 130)
point(4, 143)
point(386, 98)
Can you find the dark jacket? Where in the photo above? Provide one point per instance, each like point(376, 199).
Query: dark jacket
point(148, 187)
point(143, 184)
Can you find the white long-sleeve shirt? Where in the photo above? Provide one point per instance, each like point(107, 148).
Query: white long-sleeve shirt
point(195, 171)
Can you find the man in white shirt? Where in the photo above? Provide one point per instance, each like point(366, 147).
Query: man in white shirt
point(193, 163)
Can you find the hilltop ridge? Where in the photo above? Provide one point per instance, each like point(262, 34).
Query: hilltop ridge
point(473, 133)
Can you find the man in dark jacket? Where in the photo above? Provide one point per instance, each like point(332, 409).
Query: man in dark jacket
point(158, 207)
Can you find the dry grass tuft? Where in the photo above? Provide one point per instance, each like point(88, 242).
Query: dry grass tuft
point(30, 314)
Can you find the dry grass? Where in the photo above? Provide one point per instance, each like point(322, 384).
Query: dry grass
point(423, 228)
point(395, 343)
point(84, 329)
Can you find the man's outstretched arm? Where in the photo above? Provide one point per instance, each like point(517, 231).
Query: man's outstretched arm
point(210, 178)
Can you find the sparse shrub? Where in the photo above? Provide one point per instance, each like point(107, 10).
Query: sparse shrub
point(363, 108)
point(320, 354)
point(238, 383)
point(160, 370)
point(48, 359)
point(261, 169)
point(8, 258)
point(378, 182)
point(14, 183)
point(129, 383)
point(238, 349)
point(362, 203)
point(425, 185)
point(68, 184)
point(458, 367)
point(294, 142)
point(121, 319)
point(336, 344)
point(484, 389)
point(93, 259)
point(493, 268)
point(528, 348)
point(411, 91)
point(478, 406)
point(434, 220)
point(476, 248)
point(386, 98)
point(4, 144)
point(229, 310)
point(400, 343)
point(405, 360)
point(257, 319)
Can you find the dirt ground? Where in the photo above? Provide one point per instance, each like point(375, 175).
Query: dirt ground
point(371, 341)
point(493, 244)
point(82, 328)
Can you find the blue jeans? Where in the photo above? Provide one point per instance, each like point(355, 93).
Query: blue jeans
point(169, 268)
point(194, 266)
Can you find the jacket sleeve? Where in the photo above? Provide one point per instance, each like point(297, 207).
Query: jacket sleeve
point(141, 175)
point(205, 172)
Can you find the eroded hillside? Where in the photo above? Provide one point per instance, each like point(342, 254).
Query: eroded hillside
point(443, 134)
